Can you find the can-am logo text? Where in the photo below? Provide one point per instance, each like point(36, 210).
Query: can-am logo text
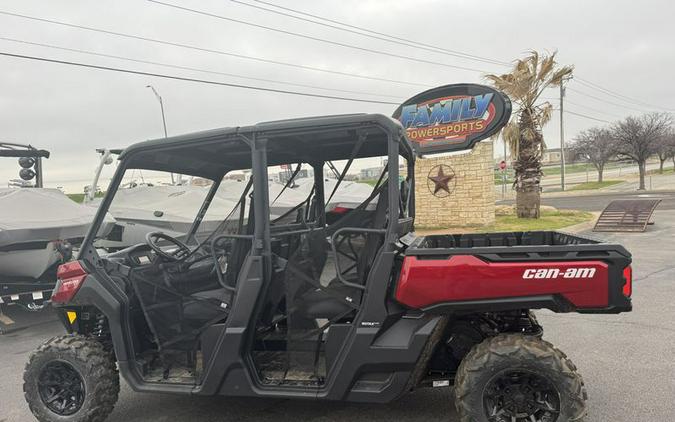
point(550, 273)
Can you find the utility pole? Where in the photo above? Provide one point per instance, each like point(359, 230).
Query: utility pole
point(161, 106)
point(562, 133)
point(504, 171)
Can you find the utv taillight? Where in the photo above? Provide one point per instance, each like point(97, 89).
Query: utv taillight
point(69, 278)
point(628, 276)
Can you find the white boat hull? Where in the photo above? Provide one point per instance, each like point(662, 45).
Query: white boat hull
point(31, 220)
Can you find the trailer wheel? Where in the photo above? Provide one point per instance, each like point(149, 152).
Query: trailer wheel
point(514, 378)
point(71, 379)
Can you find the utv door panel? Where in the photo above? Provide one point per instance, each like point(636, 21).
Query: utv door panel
point(228, 352)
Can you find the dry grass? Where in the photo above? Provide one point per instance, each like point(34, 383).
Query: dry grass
point(596, 185)
point(549, 220)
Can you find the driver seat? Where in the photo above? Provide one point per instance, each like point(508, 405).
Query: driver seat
point(220, 300)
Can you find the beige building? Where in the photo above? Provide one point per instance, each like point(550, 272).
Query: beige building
point(456, 190)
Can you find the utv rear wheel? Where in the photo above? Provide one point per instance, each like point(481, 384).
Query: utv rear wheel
point(514, 378)
point(71, 379)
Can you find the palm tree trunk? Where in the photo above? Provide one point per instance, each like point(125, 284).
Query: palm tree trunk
point(528, 168)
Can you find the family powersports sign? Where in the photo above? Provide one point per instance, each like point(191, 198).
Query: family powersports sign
point(453, 117)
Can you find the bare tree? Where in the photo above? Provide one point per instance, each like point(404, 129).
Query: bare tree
point(638, 138)
point(665, 149)
point(596, 145)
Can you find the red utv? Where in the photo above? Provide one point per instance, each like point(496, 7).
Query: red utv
point(286, 305)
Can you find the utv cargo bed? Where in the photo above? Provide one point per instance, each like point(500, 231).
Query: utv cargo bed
point(514, 270)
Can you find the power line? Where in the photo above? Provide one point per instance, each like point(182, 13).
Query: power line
point(253, 58)
point(593, 109)
point(467, 55)
point(211, 82)
point(616, 95)
point(587, 117)
point(323, 40)
point(419, 45)
point(213, 51)
point(605, 101)
point(186, 79)
point(173, 66)
point(370, 34)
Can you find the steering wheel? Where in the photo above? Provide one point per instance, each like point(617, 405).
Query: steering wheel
point(182, 251)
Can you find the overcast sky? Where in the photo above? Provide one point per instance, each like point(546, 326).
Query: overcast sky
point(624, 46)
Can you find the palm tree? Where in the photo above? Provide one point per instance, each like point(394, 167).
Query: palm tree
point(524, 85)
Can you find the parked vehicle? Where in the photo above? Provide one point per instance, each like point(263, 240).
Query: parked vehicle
point(293, 307)
point(38, 228)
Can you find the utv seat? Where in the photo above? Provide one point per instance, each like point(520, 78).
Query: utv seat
point(320, 304)
point(325, 303)
point(196, 308)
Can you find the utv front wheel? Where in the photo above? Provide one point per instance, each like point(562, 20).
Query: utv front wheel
point(71, 379)
point(514, 378)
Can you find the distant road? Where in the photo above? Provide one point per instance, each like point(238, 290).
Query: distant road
point(619, 173)
point(599, 201)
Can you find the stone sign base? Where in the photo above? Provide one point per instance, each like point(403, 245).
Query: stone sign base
point(456, 190)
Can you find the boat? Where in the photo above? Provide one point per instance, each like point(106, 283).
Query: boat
point(38, 229)
point(171, 209)
point(35, 225)
point(140, 207)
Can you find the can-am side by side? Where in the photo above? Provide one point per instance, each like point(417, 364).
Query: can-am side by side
point(292, 306)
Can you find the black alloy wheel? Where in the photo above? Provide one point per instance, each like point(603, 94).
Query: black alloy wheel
point(61, 388)
point(71, 378)
point(520, 395)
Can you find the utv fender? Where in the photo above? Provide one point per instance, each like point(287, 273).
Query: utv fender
point(111, 303)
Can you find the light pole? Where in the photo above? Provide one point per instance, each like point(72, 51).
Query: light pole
point(161, 106)
point(562, 133)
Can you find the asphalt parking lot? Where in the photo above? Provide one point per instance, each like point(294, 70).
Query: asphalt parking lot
point(626, 361)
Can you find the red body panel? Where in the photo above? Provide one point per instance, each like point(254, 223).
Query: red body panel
point(426, 282)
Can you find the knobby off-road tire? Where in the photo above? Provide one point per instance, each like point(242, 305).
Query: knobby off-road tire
point(96, 368)
point(515, 352)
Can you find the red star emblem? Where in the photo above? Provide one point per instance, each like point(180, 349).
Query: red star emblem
point(441, 181)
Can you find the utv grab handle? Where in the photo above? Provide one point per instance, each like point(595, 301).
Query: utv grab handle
point(333, 239)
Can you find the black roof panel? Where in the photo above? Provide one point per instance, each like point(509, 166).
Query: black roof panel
point(210, 153)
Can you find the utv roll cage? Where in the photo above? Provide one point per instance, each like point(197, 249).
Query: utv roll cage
point(316, 141)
